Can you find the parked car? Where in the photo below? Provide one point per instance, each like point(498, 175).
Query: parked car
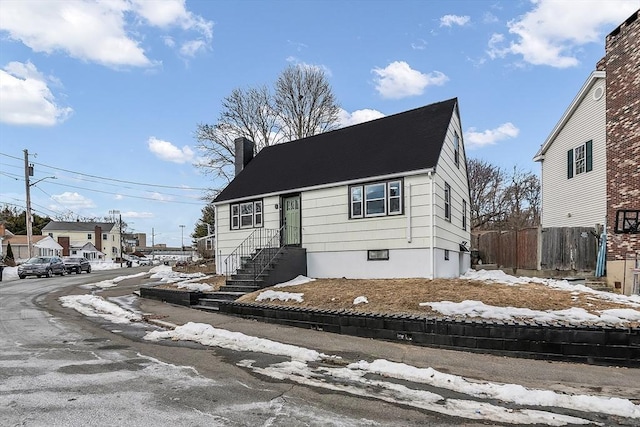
point(42, 266)
point(144, 261)
point(76, 264)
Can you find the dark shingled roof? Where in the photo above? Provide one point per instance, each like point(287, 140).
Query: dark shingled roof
point(394, 144)
point(89, 227)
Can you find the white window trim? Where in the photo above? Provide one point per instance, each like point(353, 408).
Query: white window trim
point(256, 215)
point(582, 160)
point(447, 202)
point(386, 199)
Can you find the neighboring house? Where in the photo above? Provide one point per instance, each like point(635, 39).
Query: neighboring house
point(591, 159)
point(73, 236)
point(5, 235)
point(88, 251)
point(573, 161)
point(42, 246)
point(387, 198)
point(205, 245)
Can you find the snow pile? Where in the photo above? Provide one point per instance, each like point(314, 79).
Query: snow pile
point(278, 295)
point(167, 275)
point(360, 300)
point(299, 280)
point(198, 287)
point(95, 306)
point(237, 341)
point(574, 315)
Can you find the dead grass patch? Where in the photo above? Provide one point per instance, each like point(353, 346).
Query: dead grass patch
point(403, 296)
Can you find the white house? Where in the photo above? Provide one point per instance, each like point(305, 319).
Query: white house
point(387, 198)
point(42, 246)
point(573, 160)
point(73, 236)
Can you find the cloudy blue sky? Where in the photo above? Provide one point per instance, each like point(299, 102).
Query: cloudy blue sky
point(106, 95)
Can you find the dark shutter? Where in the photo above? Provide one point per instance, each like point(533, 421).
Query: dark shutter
point(589, 155)
point(570, 163)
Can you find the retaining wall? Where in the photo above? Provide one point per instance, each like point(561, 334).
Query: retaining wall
point(186, 297)
point(582, 344)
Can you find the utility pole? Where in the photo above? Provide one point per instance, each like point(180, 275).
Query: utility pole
point(28, 171)
point(114, 212)
point(153, 245)
point(182, 238)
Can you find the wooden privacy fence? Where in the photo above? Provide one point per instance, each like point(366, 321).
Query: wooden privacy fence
point(569, 248)
point(508, 249)
point(561, 248)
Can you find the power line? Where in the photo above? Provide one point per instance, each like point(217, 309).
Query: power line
point(111, 179)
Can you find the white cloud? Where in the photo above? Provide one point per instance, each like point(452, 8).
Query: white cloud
point(160, 197)
point(25, 97)
point(419, 45)
point(451, 20)
point(552, 32)
point(73, 200)
point(474, 139)
point(132, 214)
point(359, 116)
point(96, 31)
point(167, 151)
point(399, 80)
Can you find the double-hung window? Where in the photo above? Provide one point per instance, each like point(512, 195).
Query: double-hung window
point(580, 159)
point(246, 215)
point(447, 202)
point(375, 199)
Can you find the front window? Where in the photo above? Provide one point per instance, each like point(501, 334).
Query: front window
point(89, 236)
point(246, 215)
point(447, 202)
point(376, 199)
point(104, 236)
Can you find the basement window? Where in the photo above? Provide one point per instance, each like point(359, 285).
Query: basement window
point(628, 221)
point(378, 255)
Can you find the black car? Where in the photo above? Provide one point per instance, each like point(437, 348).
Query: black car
point(42, 266)
point(76, 265)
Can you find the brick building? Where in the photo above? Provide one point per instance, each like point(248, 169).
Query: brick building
point(622, 66)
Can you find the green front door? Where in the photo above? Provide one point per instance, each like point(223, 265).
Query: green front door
point(291, 220)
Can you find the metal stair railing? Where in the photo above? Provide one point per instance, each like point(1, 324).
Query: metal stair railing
point(264, 257)
point(249, 248)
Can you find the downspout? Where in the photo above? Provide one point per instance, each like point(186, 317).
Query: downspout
point(216, 251)
point(432, 225)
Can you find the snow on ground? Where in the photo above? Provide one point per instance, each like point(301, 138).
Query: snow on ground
point(368, 378)
point(360, 300)
point(298, 280)
point(166, 274)
point(279, 295)
point(96, 306)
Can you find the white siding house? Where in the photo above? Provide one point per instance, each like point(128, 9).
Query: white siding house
point(383, 199)
point(573, 160)
point(93, 240)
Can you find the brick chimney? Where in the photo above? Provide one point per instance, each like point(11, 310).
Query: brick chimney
point(243, 153)
point(98, 237)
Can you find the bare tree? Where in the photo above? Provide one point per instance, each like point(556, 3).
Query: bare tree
point(486, 184)
point(522, 197)
point(499, 200)
point(303, 105)
point(305, 102)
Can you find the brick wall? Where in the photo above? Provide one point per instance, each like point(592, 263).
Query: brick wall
point(622, 64)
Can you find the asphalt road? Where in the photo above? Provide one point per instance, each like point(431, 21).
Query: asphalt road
point(58, 367)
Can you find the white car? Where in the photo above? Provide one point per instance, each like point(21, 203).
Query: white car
point(144, 261)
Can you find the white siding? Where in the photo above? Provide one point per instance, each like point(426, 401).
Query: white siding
point(579, 201)
point(450, 234)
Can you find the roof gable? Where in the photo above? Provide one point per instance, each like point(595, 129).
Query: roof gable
point(402, 142)
point(70, 226)
point(586, 87)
